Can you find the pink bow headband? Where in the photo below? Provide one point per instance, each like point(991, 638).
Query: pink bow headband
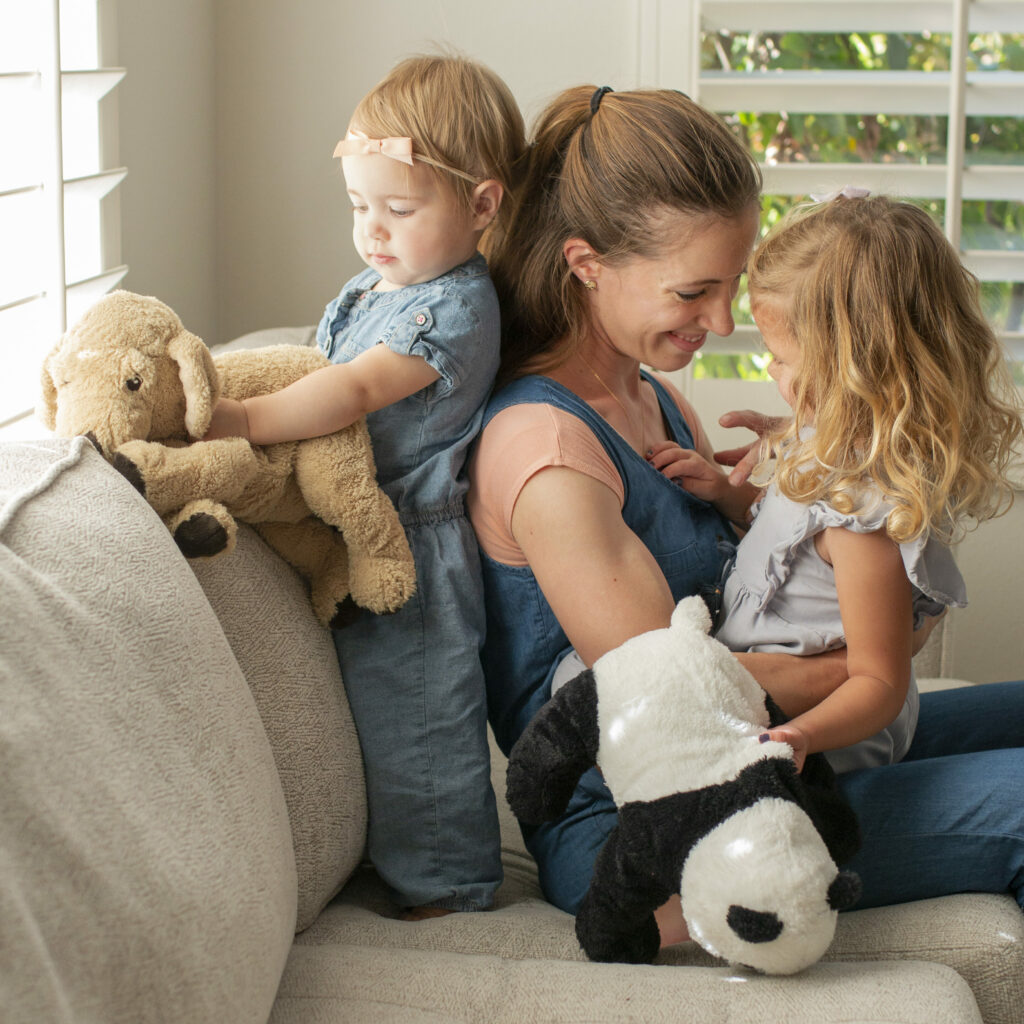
point(356, 143)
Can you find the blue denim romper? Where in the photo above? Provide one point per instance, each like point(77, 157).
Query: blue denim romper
point(414, 679)
point(525, 643)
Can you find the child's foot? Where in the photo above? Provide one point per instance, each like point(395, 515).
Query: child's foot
point(423, 913)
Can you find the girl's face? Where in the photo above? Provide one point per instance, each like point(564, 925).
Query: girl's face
point(770, 317)
point(407, 225)
point(659, 311)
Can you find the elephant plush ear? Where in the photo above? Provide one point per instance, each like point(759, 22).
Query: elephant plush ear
point(198, 379)
point(46, 410)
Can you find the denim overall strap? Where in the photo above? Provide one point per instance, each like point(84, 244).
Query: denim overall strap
point(524, 639)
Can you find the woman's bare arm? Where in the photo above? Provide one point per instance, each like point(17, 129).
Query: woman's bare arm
point(602, 583)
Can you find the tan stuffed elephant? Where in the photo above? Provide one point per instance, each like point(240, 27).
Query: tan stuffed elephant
point(133, 380)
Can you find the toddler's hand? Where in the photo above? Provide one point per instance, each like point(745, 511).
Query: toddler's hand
point(689, 469)
point(229, 419)
point(746, 457)
point(796, 738)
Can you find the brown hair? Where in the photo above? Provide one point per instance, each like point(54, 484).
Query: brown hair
point(901, 375)
point(458, 113)
point(604, 177)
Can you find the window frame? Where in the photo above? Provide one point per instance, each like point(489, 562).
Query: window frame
point(671, 27)
point(59, 91)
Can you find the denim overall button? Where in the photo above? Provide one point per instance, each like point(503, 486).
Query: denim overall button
point(420, 319)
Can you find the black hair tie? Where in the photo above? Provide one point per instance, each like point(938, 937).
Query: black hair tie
point(595, 100)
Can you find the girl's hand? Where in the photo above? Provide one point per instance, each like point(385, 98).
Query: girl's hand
point(796, 739)
point(746, 457)
point(229, 419)
point(689, 469)
point(704, 480)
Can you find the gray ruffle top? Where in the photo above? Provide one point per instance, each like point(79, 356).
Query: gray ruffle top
point(780, 596)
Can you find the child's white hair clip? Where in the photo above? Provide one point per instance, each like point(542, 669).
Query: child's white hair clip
point(847, 192)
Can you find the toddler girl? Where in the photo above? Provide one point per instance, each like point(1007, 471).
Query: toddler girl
point(414, 340)
point(904, 424)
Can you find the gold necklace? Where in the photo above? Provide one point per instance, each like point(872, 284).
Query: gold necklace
point(625, 411)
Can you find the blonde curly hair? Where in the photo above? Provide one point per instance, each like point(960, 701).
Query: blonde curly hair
point(901, 376)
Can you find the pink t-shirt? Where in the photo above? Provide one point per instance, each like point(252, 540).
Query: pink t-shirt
point(524, 439)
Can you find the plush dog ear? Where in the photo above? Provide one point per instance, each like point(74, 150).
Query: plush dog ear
point(46, 410)
point(198, 379)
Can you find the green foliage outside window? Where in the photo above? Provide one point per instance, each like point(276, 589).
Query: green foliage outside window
point(779, 137)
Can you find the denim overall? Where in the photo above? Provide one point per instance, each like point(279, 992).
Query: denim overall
point(414, 679)
point(525, 642)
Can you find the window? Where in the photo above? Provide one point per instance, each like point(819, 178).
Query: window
point(56, 246)
point(921, 98)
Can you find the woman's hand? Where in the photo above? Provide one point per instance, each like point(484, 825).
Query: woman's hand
point(745, 458)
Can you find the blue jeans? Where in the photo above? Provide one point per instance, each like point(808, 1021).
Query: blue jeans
point(948, 818)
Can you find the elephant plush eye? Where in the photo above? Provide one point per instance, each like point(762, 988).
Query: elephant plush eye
point(133, 383)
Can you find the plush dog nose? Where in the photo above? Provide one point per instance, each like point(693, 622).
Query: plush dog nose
point(753, 925)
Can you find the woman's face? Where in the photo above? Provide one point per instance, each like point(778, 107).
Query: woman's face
point(660, 310)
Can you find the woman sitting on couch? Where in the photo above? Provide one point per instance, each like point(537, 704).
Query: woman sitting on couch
point(630, 233)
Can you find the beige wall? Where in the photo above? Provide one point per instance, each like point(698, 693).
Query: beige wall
point(289, 75)
point(233, 211)
point(166, 110)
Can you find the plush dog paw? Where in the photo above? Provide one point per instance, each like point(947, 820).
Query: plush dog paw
point(201, 536)
point(381, 584)
point(345, 613)
point(129, 471)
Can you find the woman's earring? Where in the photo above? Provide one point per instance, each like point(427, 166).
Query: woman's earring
point(590, 284)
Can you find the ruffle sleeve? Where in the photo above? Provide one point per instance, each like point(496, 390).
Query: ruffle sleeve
point(929, 564)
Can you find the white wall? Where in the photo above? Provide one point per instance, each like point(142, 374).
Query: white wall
point(234, 212)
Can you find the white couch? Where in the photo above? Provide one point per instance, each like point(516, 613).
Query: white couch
point(182, 819)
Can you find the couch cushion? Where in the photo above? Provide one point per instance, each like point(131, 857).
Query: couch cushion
point(146, 867)
point(289, 660)
point(375, 986)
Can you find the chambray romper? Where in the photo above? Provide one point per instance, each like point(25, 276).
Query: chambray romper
point(525, 643)
point(781, 597)
point(414, 679)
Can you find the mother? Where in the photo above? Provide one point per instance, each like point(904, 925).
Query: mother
point(629, 235)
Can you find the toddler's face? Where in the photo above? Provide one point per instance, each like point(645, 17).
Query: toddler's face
point(770, 317)
point(407, 225)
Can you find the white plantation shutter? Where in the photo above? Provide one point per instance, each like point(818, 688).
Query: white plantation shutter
point(993, 255)
point(53, 187)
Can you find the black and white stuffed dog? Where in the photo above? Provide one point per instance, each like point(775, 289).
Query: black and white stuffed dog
point(706, 810)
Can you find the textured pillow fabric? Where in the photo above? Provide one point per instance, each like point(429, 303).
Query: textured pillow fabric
point(146, 866)
point(289, 661)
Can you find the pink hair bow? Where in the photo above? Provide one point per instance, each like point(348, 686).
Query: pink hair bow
point(356, 144)
point(847, 192)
